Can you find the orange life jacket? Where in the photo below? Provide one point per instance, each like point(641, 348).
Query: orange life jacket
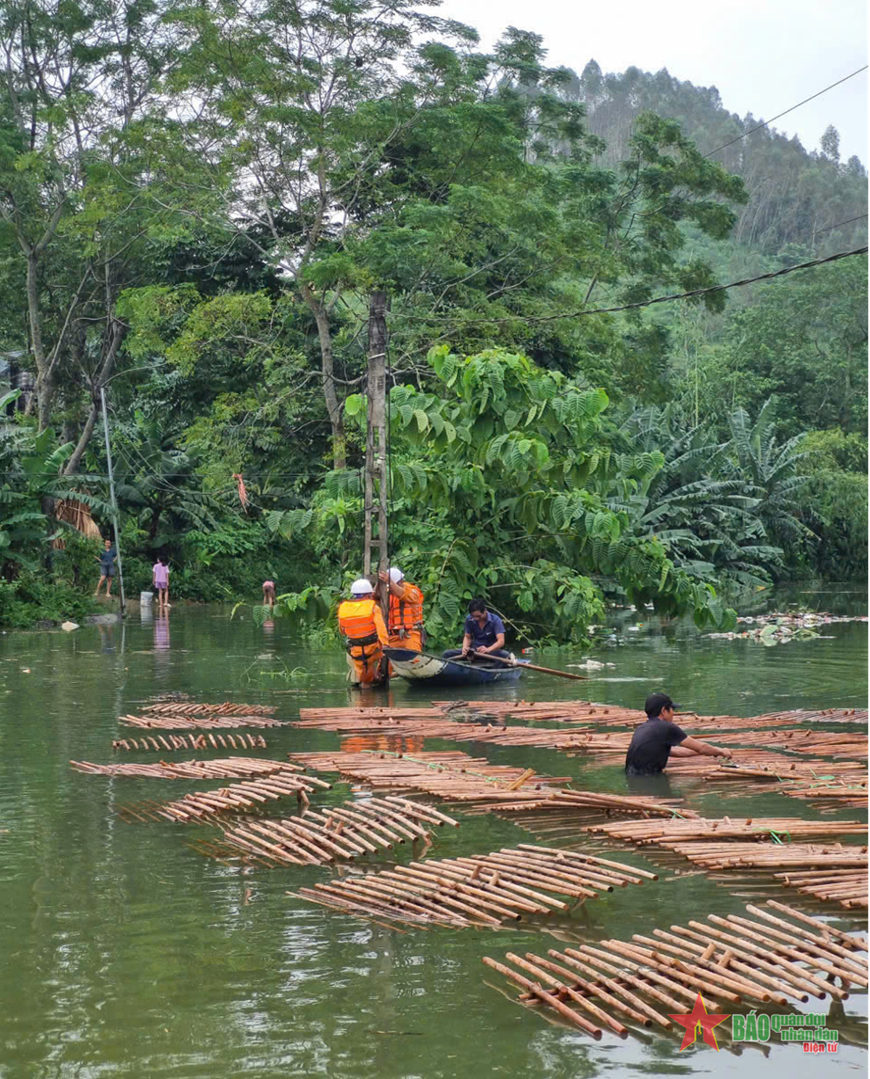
point(406, 613)
point(358, 622)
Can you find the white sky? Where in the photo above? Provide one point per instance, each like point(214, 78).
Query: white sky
point(762, 55)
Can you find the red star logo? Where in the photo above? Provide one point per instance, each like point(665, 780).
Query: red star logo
point(699, 1017)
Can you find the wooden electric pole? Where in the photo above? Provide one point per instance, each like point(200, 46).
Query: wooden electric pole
point(375, 547)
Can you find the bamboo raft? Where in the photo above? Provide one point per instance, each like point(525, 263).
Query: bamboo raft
point(838, 785)
point(485, 890)
point(831, 872)
point(244, 797)
point(703, 829)
point(173, 742)
point(577, 806)
point(228, 708)
point(225, 768)
point(449, 775)
point(341, 833)
point(178, 723)
point(735, 962)
point(475, 715)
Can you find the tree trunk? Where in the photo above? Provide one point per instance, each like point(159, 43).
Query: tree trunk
point(333, 406)
point(74, 460)
point(44, 376)
point(117, 332)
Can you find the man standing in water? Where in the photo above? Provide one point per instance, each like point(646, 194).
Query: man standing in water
point(107, 567)
point(653, 742)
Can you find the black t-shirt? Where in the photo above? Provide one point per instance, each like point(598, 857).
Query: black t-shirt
point(651, 746)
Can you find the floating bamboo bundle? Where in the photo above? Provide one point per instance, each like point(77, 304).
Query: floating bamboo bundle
point(342, 833)
point(243, 797)
point(735, 962)
point(229, 708)
point(583, 711)
point(461, 721)
point(227, 768)
point(832, 871)
point(827, 743)
point(358, 713)
point(181, 741)
point(485, 890)
point(450, 775)
point(192, 723)
point(573, 805)
point(702, 829)
point(841, 784)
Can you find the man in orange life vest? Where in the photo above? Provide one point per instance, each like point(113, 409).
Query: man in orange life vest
point(361, 622)
point(405, 620)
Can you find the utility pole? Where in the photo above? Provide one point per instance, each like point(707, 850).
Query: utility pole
point(376, 479)
point(112, 499)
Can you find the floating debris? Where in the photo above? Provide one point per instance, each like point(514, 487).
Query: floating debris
point(450, 775)
point(191, 723)
point(180, 741)
point(484, 890)
point(735, 962)
point(781, 627)
point(341, 833)
point(228, 768)
point(244, 797)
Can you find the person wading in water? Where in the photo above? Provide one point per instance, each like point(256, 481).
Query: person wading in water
point(361, 622)
point(653, 742)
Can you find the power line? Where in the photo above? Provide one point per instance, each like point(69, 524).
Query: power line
point(641, 303)
point(860, 217)
point(787, 111)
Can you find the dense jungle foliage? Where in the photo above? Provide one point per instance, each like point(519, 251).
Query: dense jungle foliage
point(196, 201)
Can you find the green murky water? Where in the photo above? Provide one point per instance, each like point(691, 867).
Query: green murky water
point(125, 953)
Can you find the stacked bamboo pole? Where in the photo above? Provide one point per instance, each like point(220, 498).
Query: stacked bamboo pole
point(572, 805)
point(450, 775)
point(226, 768)
point(705, 829)
point(243, 797)
point(484, 890)
point(647, 980)
point(373, 720)
point(840, 784)
point(175, 709)
point(828, 872)
point(342, 833)
point(168, 723)
point(179, 741)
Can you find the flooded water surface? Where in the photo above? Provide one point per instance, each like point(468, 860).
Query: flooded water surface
point(125, 952)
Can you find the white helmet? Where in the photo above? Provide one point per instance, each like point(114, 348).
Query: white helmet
point(396, 574)
point(361, 587)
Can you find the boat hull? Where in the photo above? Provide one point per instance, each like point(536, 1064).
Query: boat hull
point(427, 670)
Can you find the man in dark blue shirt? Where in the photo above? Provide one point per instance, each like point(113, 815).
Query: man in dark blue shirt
point(484, 633)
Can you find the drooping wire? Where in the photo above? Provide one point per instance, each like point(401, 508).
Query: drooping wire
point(641, 303)
point(779, 115)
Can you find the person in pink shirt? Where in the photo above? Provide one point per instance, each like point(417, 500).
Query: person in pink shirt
point(160, 581)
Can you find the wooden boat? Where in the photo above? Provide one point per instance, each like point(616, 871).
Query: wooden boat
point(429, 670)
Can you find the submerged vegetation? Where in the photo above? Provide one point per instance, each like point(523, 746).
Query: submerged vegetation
point(194, 210)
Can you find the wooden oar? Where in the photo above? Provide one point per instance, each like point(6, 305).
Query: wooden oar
point(535, 667)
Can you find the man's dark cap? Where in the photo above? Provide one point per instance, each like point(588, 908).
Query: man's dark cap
point(655, 702)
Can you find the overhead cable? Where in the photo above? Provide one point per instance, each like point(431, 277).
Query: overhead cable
point(787, 111)
point(641, 303)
